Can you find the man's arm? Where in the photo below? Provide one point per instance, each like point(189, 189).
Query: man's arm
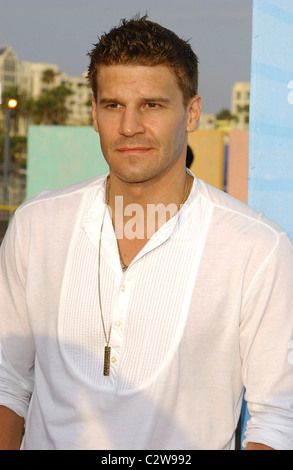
point(11, 429)
point(266, 333)
point(17, 344)
point(256, 446)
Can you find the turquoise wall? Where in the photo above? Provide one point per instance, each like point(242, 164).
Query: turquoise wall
point(59, 156)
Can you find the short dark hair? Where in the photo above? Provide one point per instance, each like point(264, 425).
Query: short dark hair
point(143, 42)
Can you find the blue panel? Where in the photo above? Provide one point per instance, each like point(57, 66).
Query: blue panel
point(59, 156)
point(270, 187)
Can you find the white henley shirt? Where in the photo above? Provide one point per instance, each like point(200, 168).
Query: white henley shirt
point(202, 312)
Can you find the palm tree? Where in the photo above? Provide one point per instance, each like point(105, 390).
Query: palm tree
point(60, 94)
point(51, 108)
point(48, 76)
point(42, 108)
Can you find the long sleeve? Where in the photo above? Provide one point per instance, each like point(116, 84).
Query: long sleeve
point(17, 348)
point(266, 334)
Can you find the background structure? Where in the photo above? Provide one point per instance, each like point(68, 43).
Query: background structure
point(270, 187)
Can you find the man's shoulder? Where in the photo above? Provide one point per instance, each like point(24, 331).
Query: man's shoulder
point(64, 195)
point(238, 214)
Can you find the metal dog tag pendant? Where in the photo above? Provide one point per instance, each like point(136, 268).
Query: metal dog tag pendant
point(107, 360)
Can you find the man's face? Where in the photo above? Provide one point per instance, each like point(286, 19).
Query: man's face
point(142, 120)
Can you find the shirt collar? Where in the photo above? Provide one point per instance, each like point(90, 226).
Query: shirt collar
point(92, 222)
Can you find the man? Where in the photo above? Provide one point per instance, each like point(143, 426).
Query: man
point(136, 307)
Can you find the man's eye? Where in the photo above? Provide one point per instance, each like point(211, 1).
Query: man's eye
point(113, 106)
point(152, 105)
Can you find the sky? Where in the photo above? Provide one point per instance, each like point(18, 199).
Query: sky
point(63, 32)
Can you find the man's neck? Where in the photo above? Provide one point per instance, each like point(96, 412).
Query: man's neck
point(160, 190)
point(140, 209)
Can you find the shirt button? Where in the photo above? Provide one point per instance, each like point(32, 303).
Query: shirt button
point(118, 323)
point(113, 359)
point(123, 288)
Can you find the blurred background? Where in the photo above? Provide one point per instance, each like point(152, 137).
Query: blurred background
point(46, 136)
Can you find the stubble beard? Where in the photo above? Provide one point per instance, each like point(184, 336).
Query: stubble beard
point(140, 169)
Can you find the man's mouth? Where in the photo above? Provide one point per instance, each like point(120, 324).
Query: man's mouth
point(134, 150)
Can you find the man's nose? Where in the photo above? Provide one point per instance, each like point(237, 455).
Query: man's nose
point(131, 122)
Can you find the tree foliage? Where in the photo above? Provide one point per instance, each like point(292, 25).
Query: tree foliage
point(49, 108)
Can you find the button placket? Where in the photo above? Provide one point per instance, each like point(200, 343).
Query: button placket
point(119, 316)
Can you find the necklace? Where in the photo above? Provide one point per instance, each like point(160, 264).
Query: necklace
point(107, 352)
point(189, 181)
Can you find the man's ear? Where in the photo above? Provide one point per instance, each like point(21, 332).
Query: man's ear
point(94, 113)
point(194, 108)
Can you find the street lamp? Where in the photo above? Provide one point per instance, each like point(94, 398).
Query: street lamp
point(12, 103)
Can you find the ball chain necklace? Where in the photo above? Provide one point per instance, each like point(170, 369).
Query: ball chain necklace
point(107, 352)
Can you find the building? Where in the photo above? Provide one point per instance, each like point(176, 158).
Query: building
point(79, 111)
point(208, 121)
point(9, 67)
point(29, 78)
point(79, 101)
point(9, 75)
point(32, 77)
point(240, 105)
